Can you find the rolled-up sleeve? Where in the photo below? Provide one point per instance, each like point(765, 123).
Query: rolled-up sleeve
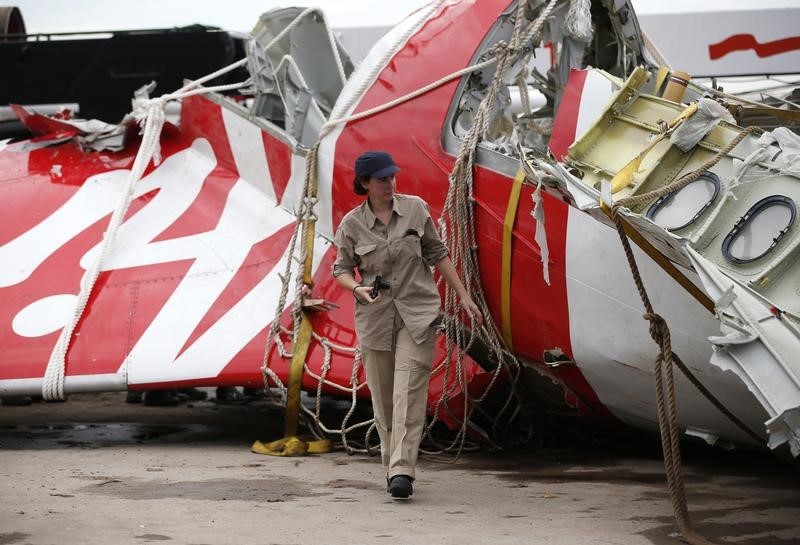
point(433, 249)
point(345, 257)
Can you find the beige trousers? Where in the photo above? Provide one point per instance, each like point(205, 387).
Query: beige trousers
point(398, 382)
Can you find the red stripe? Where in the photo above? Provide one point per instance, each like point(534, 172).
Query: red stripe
point(566, 121)
point(279, 159)
point(201, 118)
point(743, 42)
point(259, 261)
point(204, 213)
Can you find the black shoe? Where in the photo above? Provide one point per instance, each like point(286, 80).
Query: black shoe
point(193, 394)
point(17, 401)
point(400, 486)
point(182, 398)
point(160, 398)
point(228, 394)
point(254, 394)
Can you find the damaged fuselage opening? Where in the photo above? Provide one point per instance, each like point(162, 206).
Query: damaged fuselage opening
point(525, 107)
point(298, 68)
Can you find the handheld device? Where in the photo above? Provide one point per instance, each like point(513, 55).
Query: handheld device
point(377, 285)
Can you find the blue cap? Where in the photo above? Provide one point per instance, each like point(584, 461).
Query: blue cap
point(375, 164)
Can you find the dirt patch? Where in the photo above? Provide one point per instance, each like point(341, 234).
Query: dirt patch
point(94, 421)
point(351, 483)
point(258, 490)
point(13, 537)
point(752, 533)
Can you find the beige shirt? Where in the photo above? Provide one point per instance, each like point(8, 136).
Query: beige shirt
point(403, 253)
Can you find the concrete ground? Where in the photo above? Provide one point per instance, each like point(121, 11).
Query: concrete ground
point(97, 470)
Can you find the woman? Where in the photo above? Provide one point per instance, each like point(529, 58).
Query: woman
point(392, 236)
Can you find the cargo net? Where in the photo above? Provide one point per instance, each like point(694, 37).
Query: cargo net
point(347, 420)
point(493, 416)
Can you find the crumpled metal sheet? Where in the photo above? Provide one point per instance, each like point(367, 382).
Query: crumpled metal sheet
point(760, 346)
point(91, 133)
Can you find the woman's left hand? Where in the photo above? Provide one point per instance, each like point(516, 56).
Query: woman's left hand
point(472, 309)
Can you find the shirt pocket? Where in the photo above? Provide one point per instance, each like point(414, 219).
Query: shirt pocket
point(410, 244)
point(367, 257)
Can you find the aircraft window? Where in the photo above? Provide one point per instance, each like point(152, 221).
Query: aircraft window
point(682, 207)
point(760, 229)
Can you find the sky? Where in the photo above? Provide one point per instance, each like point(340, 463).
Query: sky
point(43, 16)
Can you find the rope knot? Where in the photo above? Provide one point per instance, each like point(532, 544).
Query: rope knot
point(498, 49)
point(150, 112)
point(143, 105)
point(655, 319)
point(659, 330)
point(147, 107)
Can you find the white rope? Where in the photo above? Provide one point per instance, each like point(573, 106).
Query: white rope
point(578, 21)
point(149, 114)
point(152, 118)
point(288, 59)
point(315, 417)
point(335, 50)
point(378, 66)
point(198, 82)
point(205, 90)
point(405, 98)
point(296, 21)
point(303, 215)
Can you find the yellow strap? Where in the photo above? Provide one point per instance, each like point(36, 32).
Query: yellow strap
point(508, 231)
point(300, 347)
point(299, 353)
point(291, 445)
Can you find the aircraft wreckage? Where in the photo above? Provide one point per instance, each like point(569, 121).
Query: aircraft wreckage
point(536, 133)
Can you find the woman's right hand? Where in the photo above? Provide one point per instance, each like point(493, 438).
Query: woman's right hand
point(363, 295)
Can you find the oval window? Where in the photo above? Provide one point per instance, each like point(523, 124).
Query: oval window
point(760, 229)
point(682, 207)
